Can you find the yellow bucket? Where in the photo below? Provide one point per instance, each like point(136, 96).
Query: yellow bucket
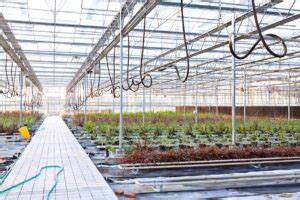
point(24, 132)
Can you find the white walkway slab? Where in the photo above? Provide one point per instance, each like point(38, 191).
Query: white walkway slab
point(54, 144)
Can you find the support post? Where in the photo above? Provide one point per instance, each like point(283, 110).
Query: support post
point(150, 100)
point(245, 93)
point(113, 108)
point(217, 97)
point(98, 101)
point(121, 82)
point(5, 104)
point(196, 100)
point(289, 95)
point(184, 99)
point(143, 104)
point(85, 98)
point(21, 99)
point(233, 97)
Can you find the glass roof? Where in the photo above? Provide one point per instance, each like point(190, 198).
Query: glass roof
point(57, 36)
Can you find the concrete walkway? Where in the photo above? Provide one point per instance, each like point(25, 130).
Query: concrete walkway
point(54, 144)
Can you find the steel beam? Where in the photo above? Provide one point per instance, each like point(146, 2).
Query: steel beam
point(143, 11)
point(16, 53)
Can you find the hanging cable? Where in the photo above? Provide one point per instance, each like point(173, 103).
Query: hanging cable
point(129, 86)
point(98, 91)
point(7, 84)
point(127, 72)
point(92, 83)
point(112, 80)
point(142, 75)
point(185, 45)
point(13, 79)
point(261, 39)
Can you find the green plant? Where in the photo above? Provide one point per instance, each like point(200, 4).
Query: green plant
point(88, 126)
point(111, 148)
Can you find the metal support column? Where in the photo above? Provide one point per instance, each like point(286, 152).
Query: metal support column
point(184, 102)
point(289, 97)
point(113, 106)
point(98, 101)
point(150, 100)
point(85, 97)
point(196, 100)
point(233, 97)
point(121, 82)
point(245, 97)
point(5, 104)
point(143, 104)
point(21, 99)
point(217, 97)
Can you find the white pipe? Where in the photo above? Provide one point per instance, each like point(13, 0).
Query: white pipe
point(143, 104)
point(233, 103)
point(207, 164)
point(21, 99)
point(245, 98)
point(209, 180)
point(289, 95)
point(85, 96)
point(196, 100)
point(214, 161)
point(121, 82)
point(271, 173)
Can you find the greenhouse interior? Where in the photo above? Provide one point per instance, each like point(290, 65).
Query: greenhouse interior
point(149, 99)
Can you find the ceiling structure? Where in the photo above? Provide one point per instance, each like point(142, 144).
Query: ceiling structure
point(65, 39)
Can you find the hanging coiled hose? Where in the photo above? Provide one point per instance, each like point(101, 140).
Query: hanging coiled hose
point(185, 46)
point(261, 39)
point(7, 85)
point(10, 87)
point(98, 91)
point(142, 75)
point(113, 88)
point(92, 83)
point(129, 86)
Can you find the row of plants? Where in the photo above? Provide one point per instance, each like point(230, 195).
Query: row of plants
point(9, 121)
point(174, 136)
point(164, 117)
point(255, 132)
point(144, 154)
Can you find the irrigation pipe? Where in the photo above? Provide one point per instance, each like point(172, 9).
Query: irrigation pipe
point(273, 173)
point(210, 161)
point(231, 180)
point(208, 165)
point(220, 178)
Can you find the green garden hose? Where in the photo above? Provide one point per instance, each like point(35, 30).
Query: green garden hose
point(4, 175)
point(34, 177)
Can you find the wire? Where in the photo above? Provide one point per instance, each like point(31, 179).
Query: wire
point(185, 45)
point(129, 86)
point(98, 91)
point(7, 85)
point(92, 83)
point(143, 76)
point(261, 39)
point(112, 80)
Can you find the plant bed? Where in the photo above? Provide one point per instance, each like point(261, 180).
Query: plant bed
point(149, 155)
point(9, 121)
point(168, 130)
